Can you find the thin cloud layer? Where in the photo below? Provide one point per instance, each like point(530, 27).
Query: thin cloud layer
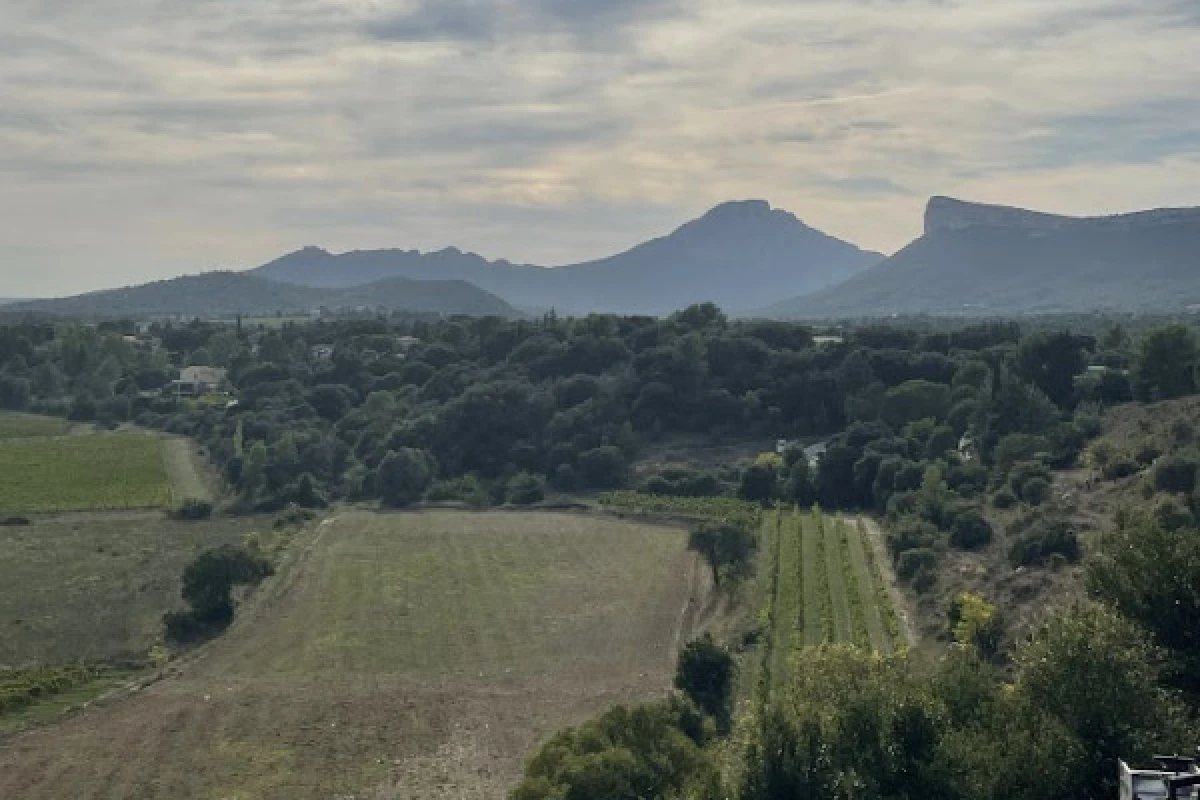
point(143, 138)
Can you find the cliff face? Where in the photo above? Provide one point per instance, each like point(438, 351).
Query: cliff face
point(988, 259)
point(948, 214)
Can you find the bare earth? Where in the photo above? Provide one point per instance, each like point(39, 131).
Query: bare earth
point(396, 656)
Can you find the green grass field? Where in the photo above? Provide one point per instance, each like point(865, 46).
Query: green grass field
point(392, 656)
point(820, 584)
point(82, 473)
point(19, 426)
point(93, 588)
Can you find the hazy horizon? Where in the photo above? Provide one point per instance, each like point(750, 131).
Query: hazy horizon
point(146, 140)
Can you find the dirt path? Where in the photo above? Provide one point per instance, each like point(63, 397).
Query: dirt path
point(884, 562)
point(190, 478)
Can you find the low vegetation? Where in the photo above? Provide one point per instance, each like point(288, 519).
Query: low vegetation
point(82, 473)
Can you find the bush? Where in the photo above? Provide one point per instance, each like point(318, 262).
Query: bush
point(1172, 515)
point(1147, 453)
point(911, 533)
point(971, 531)
point(1037, 539)
point(1176, 474)
point(1026, 473)
point(705, 673)
point(1120, 467)
point(649, 751)
point(208, 584)
point(912, 564)
point(1035, 491)
point(15, 522)
point(602, 468)
point(726, 547)
point(525, 489)
point(403, 476)
point(194, 509)
point(1004, 499)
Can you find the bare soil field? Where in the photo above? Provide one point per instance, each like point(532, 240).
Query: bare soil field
point(393, 656)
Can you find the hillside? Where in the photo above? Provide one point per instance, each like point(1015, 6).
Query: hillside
point(217, 293)
point(994, 259)
point(739, 255)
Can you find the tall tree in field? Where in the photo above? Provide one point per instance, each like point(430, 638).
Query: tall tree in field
point(1050, 361)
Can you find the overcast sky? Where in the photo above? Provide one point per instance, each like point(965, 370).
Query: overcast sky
point(140, 139)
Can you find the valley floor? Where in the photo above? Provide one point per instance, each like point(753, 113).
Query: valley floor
point(393, 656)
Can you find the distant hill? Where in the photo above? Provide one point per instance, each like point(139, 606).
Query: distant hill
point(994, 259)
point(216, 293)
point(739, 255)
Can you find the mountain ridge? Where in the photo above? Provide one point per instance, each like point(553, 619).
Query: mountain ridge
point(225, 292)
point(979, 258)
point(739, 254)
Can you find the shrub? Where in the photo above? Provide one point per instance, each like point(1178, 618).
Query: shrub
point(208, 584)
point(974, 622)
point(911, 533)
point(1146, 453)
point(1004, 499)
point(525, 489)
point(15, 522)
point(1022, 474)
point(705, 673)
point(194, 509)
point(1037, 539)
point(404, 475)
point(1176, 474)
point(971, 531)
point(1120, 467)
point(1035, 491)
point(1173, 515)
point(911, 563)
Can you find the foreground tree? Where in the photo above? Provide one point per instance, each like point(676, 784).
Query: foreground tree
point(705, 673)
point(1166, 364)
point(403, 477)
point(726, 547)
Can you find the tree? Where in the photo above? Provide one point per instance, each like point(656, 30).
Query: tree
point(1152, 575)
point(1166, 364)
point(403, 476)
point(914, 400)
point(653, 751)
point(525, 489)
point(723, 546)
point(208, 584)
point(1050, 361)
point(705, 673)
point(1098, 674)
point(760, 483)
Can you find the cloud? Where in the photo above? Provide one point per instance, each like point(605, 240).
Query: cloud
point(142, 138)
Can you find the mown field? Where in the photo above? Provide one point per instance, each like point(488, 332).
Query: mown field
point(82, 473)
point(18, 426)
point(392, 656)
point(823, 582)
point(93, 587)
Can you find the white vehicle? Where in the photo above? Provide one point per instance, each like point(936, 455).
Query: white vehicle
point(1176, 778)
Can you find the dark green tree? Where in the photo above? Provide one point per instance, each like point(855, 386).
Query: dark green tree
point(1166, 364)
point(403, 476)
point(705, 673)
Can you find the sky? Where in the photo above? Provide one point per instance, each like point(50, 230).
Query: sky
point(142, 139)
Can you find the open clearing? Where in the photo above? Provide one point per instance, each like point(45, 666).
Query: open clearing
point(82, 473)
point(393, 656)
point(93, 587)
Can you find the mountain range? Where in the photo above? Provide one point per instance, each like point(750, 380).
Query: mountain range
point(971, 259)
point(741, 255)
point(221, 293)
point(986, 259)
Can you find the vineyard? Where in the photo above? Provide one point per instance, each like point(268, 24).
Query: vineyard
point(822, 583)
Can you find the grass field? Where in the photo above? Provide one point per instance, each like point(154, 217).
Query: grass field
point(393, 656)
point(82, 473)
point(821, 584)
point(18, 426)
point(94, 587)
